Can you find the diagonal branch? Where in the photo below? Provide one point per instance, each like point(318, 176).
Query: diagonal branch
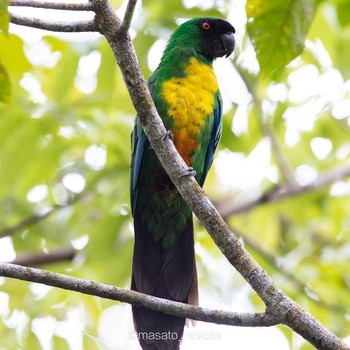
point(53, 5)
point(65, 27)
point(28, 221)
point(136, 299)
point(282, 192)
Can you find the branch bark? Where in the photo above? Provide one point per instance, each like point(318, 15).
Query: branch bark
point(53, 5)
point(128, 15)
point(137, 299)
point(40, 258)
point(64, 27)
point(278, 304)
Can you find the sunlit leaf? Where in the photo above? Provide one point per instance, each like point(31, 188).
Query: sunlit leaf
point(12, 55)
point(343, 12)
point(4, 17)
point(5, 86)
point(278, 30)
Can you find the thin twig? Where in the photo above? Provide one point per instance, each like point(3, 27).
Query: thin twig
point(53, 5)
point(41, 258)
point(54, 26)
point(285, 272)
point(28, 221)
point(282, 192)
point(270, 258)
point(282, 161)
point(135, 298)
point(35, 218)
point(286, 169)
point(128, 16)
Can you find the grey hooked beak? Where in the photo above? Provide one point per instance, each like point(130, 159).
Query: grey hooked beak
point(228, 42)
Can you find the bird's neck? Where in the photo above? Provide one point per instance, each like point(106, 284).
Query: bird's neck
point(177, 57)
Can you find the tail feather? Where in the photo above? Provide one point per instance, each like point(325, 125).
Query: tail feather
point(166, 273)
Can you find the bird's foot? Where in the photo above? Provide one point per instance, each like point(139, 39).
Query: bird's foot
point(168, 135)
point(189, 172)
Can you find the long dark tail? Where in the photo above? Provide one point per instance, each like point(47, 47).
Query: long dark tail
point(167, 273)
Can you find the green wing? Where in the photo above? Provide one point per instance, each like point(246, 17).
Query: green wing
point(139, 145)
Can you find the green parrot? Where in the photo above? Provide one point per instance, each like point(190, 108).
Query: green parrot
point(185, 92)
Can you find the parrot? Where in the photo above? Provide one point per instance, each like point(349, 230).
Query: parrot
point(185, 92)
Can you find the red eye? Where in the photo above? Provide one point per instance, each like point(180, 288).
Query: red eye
point(206, 26)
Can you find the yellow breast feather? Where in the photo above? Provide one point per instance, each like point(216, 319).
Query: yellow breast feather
point(190, 102)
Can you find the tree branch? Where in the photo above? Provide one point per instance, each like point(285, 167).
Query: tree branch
point(66, 27)
point(282, 192)
point(128, 16)
point(41, 258)
point(135, 298)
point(53, 5)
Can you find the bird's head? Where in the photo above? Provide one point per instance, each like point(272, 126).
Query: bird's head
point(210, 37)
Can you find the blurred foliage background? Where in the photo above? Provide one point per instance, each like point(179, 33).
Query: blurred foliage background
point(65, 123)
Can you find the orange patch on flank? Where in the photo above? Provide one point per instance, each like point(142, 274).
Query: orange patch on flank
point(185, 145)
point(190, 102)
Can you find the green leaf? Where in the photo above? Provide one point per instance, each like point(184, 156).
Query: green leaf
point(4, 16)
point(343, 12)
point(12, 54)
point(5, 86)
point(278, 29)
